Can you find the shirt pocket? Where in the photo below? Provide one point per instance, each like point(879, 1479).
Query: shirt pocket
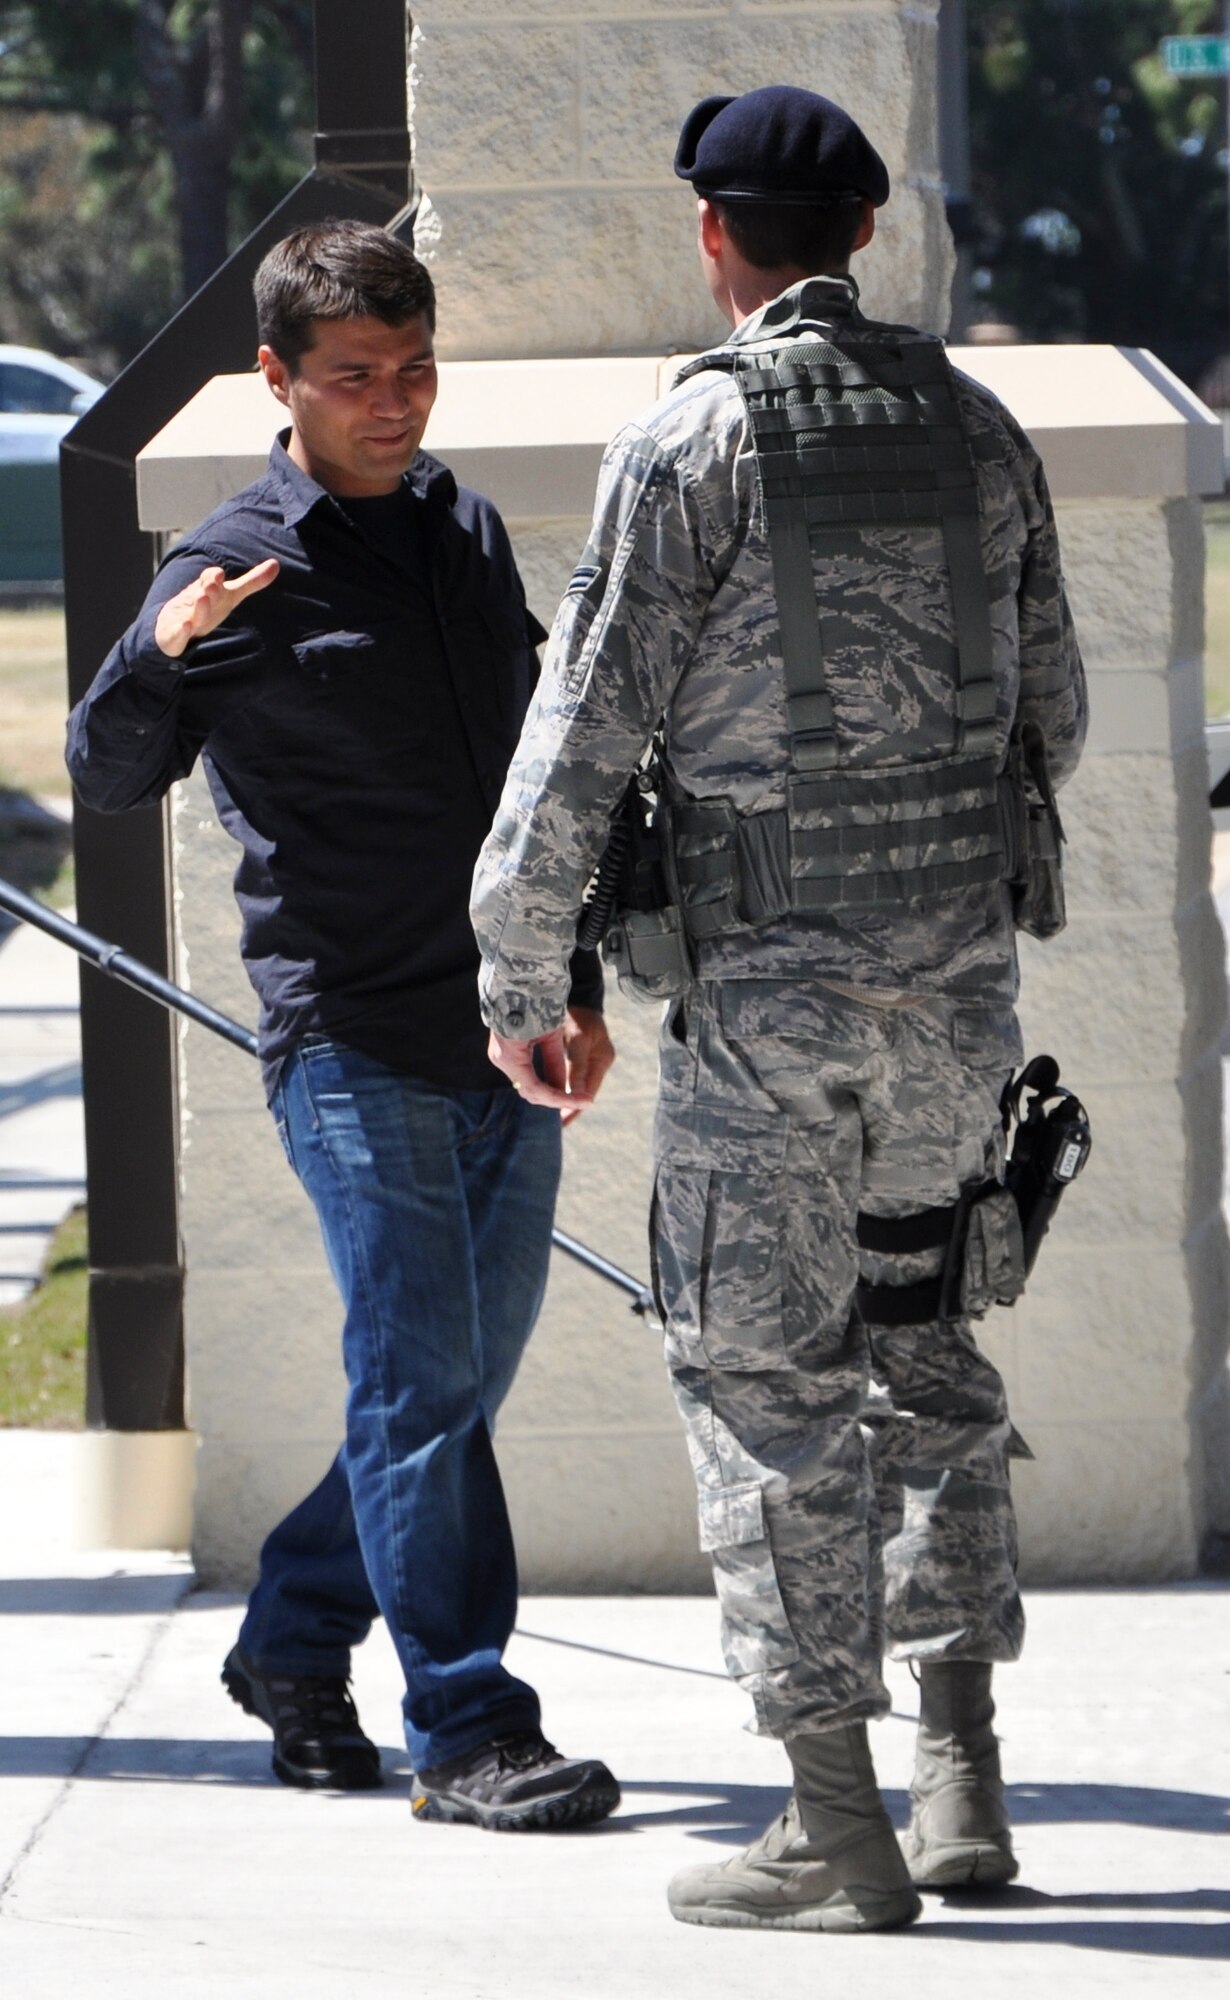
point(359, 684)
point(325, 657)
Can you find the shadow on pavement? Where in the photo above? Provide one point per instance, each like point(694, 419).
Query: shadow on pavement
point(734, 1813)
point(34, 845)
point(1152, 1936)
point(92, 1596)
point(1118, 1805)
point(166, 1760)
point(63, 1081)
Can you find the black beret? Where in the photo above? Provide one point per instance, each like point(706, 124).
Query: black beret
point(778, 144)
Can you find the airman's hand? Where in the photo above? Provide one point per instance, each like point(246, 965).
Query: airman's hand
point(589, 1052)
point(200, 608)
point(562, 1070)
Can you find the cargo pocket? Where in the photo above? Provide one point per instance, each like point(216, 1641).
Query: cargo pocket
point(718, 1262)
point(676, 1233)
point(756, 1632)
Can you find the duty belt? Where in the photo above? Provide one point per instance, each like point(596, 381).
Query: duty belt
point(872, 840)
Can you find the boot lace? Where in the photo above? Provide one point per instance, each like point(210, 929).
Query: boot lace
point(311, 1705)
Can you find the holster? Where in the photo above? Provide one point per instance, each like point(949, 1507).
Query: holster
point(991, 1235)
point(984, 1259)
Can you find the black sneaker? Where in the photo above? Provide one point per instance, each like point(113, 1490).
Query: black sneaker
point(514, 1784)
point(317, 1741)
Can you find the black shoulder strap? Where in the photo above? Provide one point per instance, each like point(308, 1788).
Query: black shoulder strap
point(868, 434)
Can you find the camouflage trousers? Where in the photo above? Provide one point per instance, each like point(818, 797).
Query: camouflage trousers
point(852, 1481)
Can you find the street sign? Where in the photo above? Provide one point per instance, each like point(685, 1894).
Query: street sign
point(1196, 55)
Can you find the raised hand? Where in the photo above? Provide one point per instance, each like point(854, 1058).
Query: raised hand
point(200, 607)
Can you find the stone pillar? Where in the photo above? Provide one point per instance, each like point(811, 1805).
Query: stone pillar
point(544, 136)
point(1116, 1359)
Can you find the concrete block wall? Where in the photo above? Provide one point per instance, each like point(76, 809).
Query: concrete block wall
point(1116, 1359)
point(544, 136)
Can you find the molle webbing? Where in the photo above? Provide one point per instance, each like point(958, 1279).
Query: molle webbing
point(866, 435)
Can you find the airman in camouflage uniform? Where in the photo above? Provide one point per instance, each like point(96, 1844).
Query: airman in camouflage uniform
point(852, 1477)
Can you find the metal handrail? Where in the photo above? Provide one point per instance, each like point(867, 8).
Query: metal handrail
point(119, 964)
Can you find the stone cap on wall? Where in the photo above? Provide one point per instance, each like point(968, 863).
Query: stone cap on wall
point(1108, 421)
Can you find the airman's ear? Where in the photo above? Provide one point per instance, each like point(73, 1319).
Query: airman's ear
point(709, 228)
point(866, 228)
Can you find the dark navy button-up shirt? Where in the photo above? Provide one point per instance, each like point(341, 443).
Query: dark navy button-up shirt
point(355, 721)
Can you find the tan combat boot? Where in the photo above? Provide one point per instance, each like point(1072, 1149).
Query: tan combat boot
point(958, 1835)
point(830, 1862)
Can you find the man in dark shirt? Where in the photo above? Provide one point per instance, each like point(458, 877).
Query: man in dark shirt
point(346, 646)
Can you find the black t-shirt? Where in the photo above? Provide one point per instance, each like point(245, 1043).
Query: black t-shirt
point(393, 524)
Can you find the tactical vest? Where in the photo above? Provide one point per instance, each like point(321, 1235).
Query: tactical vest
point(868, 434)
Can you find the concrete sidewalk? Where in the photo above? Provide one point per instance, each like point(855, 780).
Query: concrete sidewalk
point(145, 1848)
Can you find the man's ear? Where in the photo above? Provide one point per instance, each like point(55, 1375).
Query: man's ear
point(866, 228)
point(708, 228)
point(275, 372)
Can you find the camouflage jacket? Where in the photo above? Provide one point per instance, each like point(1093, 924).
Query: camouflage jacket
point(671, 617)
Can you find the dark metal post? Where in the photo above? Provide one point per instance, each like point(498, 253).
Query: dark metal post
point(117, 964)
point(953, 60)
point(135, 1362)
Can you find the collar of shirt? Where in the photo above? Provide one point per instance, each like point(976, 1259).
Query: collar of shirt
point(298, 493)
point(813, 301)
point(811, 306)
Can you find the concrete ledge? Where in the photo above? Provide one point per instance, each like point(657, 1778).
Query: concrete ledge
point(515, 430)
point(1106, 420)
point(134, 1489)
point(530, 434)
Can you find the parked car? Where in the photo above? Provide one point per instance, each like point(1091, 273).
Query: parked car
point(41, 397)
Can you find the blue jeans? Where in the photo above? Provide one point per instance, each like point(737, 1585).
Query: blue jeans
point(436, 1209)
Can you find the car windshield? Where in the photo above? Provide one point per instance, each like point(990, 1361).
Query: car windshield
point(29, 392)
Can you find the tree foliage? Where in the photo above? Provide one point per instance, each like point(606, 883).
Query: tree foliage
point(1099, 180)
point(140, 140)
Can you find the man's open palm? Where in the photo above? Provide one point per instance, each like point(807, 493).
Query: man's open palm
point(200, 608)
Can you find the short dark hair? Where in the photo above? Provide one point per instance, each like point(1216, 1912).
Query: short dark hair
point(337, 270)
point(777, 236)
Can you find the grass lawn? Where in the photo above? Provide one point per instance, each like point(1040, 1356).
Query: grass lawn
point(34, 701)
point(35, 852)
point(42, 1340)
